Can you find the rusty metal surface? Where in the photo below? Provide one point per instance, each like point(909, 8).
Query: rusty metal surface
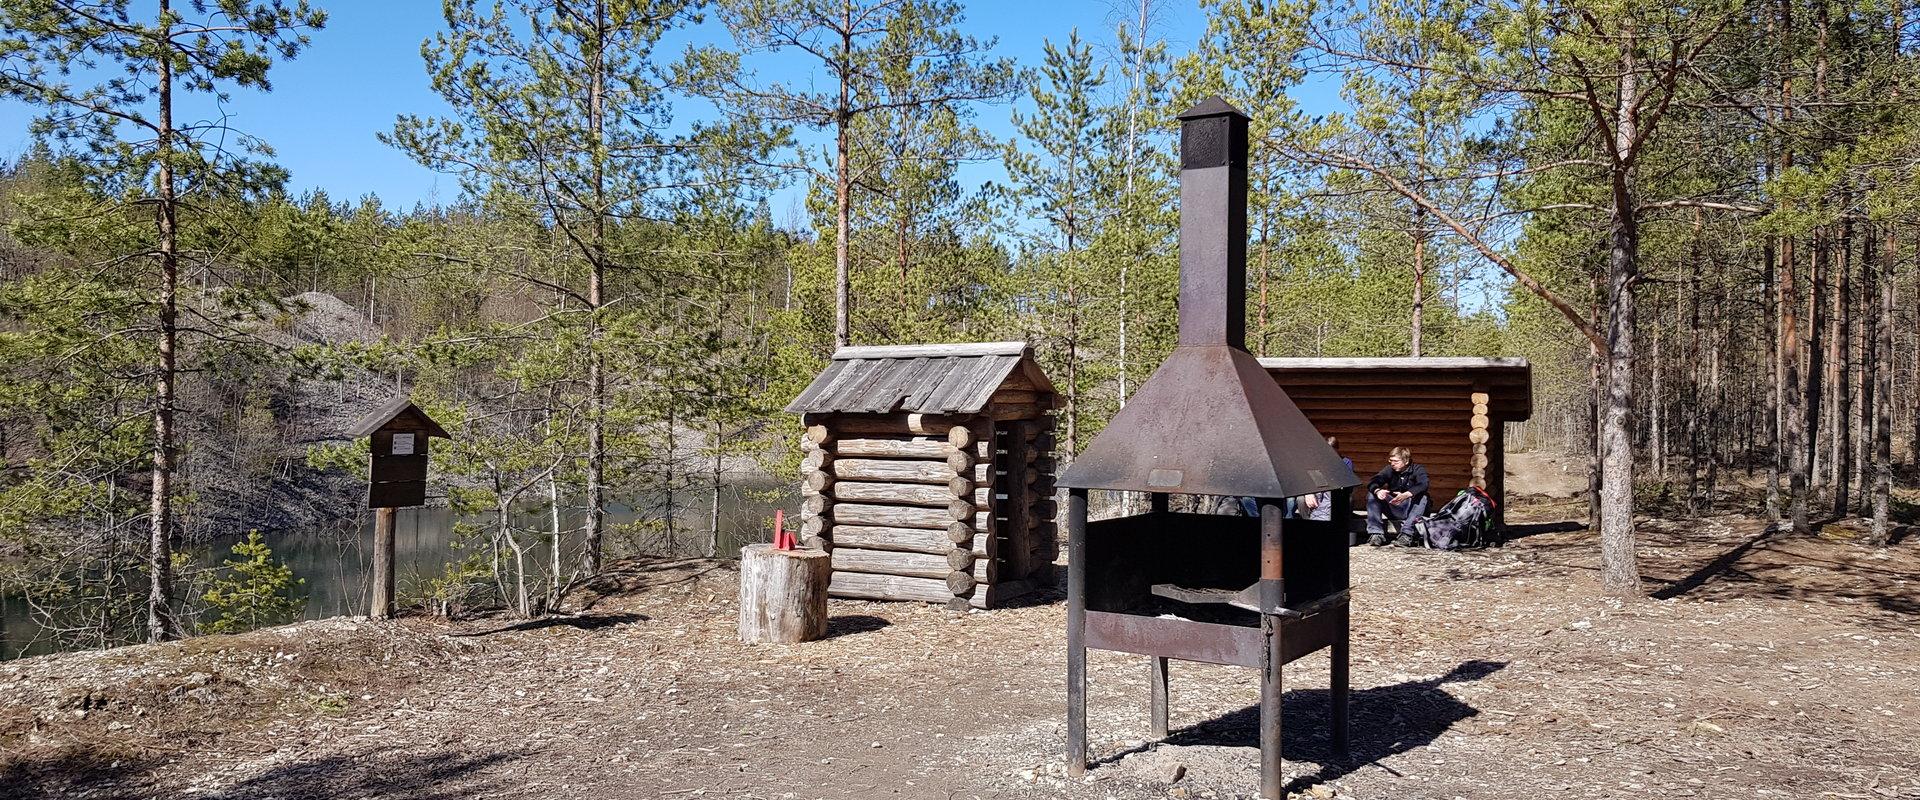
point(1212, 642)
point(1210, 420)
point(921, 379)
point(1076, 632)
point(1183, 639)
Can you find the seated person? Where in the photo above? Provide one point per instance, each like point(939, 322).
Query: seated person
point(1318, 506)
point(1398, 492)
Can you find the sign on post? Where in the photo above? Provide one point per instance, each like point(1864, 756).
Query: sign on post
point(398, 432)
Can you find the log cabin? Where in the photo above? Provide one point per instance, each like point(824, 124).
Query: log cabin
point(928, 472)
point(1451, 412)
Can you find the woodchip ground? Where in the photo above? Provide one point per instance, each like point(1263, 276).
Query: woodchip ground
point(1764, 665)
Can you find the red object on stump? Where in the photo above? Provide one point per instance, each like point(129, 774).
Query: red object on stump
point(783, 539)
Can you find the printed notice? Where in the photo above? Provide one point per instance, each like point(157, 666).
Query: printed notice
point(403, 444)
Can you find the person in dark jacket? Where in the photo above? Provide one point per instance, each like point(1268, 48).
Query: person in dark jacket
point(1397, 492)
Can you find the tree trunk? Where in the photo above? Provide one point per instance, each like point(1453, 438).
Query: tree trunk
point(161, 625)
point(1419, 277)
point(1619, 567)
point(1694, 400)
point(843, 186)
point(783, 594)
point(1596, 390)
point(1792, 413)
point(1884, 396)
point(596, 283)
point(1656, 407)
point(1840, 374)
point(1816, 383)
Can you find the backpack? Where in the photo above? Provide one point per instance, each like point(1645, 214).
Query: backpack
point(1464, 522)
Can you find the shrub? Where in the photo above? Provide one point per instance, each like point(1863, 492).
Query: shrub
point(253, 590)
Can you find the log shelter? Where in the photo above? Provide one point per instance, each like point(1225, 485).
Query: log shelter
point(1244, 591)
point(1450, 412)
point(928, 472)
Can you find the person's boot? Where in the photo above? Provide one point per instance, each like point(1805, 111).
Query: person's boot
point(1377, 539)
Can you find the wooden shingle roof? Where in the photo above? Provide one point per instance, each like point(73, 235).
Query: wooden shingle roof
point(922, 379)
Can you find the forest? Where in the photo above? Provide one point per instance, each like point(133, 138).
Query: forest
point(1698, 219)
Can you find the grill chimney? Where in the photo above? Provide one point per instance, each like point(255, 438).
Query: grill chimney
point(1213, 225)
point(1210, 420)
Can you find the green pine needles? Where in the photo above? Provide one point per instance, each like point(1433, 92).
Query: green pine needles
point(254, 590)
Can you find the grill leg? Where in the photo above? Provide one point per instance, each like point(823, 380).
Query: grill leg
point(1159, 683)
point(1338, 654)
point(1076, 632)
point(1270, 775)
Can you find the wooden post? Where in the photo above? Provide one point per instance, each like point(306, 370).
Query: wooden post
point(1478, 437)
point(382, 607)
point(783, 594)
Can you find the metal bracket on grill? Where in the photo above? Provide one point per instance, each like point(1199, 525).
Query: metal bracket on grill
point(1248, 598)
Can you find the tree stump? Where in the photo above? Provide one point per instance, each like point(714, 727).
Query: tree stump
point(783, 594)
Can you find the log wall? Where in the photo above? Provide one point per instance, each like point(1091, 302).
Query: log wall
point(1452, 423)
point(946, 509)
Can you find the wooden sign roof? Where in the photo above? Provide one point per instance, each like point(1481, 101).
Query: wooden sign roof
point(401, 413)
point(922, 379)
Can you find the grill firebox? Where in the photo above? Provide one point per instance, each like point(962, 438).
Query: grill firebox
point(1210, 421)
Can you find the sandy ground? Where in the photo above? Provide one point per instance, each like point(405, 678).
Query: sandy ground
point(1762, 665)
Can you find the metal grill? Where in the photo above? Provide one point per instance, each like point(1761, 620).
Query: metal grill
point(1209, 421)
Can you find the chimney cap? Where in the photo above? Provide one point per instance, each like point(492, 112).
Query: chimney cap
point(1212, 106)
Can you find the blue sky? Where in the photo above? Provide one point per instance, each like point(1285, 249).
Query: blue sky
point(364, 68)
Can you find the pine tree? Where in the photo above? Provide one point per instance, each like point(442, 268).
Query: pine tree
point(561, 103)
point(1055, 181)
point(134, 154)
point(903, 57)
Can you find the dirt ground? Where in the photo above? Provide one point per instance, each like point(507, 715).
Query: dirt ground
point(1762, 665)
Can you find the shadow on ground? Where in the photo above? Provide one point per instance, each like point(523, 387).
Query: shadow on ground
point(421, 776)
point(76, 772)
point(585, 622)
point(1383, 721)
point(1760, 561)
point(637, 575)
point(85, 772)
point(1522, 531)
point(851, 624)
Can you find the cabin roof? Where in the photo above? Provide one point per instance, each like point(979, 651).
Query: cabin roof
point(922, 379)
point(401, 406)
point(1442, 363)
point(1508, 381)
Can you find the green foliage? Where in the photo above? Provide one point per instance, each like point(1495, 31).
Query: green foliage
point(253, 590)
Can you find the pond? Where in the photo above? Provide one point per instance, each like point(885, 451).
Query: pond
point(336, 566)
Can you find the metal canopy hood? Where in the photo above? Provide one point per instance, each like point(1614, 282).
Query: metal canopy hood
point(1210, 420)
